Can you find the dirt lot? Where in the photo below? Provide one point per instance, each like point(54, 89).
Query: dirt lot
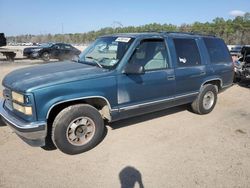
point(170, 148)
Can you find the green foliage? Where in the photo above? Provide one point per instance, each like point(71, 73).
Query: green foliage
point(236, 31)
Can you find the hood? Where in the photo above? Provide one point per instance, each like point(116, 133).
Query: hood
point(49, 74)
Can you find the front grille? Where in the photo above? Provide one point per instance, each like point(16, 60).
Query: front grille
point(8, 100)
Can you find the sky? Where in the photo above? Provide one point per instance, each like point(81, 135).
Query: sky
point(79, 16)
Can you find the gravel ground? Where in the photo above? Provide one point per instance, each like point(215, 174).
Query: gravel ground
point(170, 148)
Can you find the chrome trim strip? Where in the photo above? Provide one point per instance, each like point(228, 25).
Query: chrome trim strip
point(114, 110)
point(153, 102)
point(229, 85)
point(80, 98)
point(144, 104)
point(186, 95)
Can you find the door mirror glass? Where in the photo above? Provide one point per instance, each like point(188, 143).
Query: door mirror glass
point(134, 68)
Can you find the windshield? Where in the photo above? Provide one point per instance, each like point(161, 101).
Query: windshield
point(106, 51)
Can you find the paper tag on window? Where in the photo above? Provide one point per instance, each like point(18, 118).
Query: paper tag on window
point(122, 39)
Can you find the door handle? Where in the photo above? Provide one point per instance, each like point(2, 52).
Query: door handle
point(171, 77)
point(203, 72)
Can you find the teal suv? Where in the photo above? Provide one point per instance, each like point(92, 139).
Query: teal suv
point(116, 77)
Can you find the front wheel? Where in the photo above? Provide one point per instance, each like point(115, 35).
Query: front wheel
point(77, 129)
point(206, 100)
point(45, 56)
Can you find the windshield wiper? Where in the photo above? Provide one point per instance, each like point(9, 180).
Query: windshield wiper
point(95, 60)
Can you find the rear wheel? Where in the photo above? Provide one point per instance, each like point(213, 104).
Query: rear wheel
point(77, 129)
point(206, 100)
point(10, 56)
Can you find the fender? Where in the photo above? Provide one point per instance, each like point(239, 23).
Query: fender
point(75, 99)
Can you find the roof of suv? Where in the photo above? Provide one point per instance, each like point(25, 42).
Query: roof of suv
point(159, 34)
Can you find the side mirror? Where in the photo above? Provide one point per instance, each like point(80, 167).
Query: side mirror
point(133, 68)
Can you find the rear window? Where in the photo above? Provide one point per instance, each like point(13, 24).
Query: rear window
point(217, 50)
point(187, 52)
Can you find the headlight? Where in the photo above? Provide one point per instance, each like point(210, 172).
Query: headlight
point(27, 110)
point(17, 97)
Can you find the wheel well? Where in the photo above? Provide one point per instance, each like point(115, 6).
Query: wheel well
point(216, 83)
point(100, 104)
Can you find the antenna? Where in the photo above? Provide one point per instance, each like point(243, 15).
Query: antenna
point(116, 24)
point(62, 28)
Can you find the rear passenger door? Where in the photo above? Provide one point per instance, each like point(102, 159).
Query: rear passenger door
point(68, 50)
point(190, 70)
point(56, 50)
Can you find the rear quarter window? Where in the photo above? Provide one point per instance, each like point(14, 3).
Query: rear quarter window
point(217, 50)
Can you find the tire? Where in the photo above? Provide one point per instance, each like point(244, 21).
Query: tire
point(10, 56)
point(45, 56)
point(77, 128)
point(206, 100)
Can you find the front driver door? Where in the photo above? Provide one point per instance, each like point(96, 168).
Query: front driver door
point(152, 90)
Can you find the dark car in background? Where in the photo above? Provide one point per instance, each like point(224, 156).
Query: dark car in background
point(49, 51)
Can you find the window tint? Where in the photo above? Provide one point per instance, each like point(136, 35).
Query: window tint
point(217, 50)
point(56, 46)
point(187, 52)
point(64, 46)
point(151, 54)
point(68, 47)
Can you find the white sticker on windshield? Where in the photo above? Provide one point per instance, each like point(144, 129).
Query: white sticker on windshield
point(113, 62)
point(122, 39)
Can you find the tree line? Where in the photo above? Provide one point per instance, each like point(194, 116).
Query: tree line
point(233, 31)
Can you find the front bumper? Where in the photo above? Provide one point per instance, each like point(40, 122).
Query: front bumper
point(33, 133)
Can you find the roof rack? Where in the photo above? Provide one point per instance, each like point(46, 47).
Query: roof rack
point(187, 33)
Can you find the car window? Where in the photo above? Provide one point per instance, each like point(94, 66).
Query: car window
point(187, 52)
point(56, 46)
point(151, 54)
point(107, 51)
point(67, 47)
point(217, 50)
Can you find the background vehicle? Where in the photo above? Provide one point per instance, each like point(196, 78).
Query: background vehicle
point(236, 50)
point(117, 77)
point(49, 51)
point(242, 67)
point(9, 53)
